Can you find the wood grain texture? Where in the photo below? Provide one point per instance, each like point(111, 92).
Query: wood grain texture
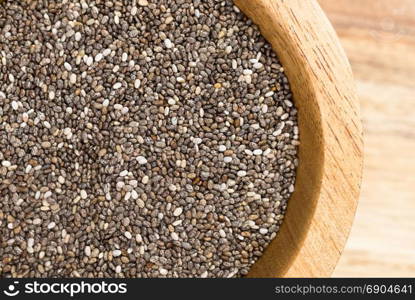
point(379, 38)
point(322, 208)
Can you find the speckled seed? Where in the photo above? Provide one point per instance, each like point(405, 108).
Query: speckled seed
point(241, 173)
point(83, 194)
point(61, 179)
point(15, 105)
point(257, 152)
point(72, 78)
point(117, 85)
point(174, 236)
point(222, 233)
point(145, 179)
point(178, 211)
point(138, 238)
point(6, 163)
point(168, 43)
point(78, 36)
point(227, 159)
point(140, 139)
point(68, 67)
point(99, 57)
point(124, 173)
point(141, 160)
point(263, 231)
point(163, 271)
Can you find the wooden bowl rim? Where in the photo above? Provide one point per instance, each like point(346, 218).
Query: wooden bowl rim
point(321, 210)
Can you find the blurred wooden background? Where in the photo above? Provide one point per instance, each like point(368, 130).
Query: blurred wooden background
point(379, 38)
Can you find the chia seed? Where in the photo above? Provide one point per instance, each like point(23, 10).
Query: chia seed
point(140, 138)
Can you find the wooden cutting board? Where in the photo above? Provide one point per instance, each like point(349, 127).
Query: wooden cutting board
point(379, 38)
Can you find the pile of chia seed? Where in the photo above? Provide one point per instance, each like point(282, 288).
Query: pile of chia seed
point(140, 138)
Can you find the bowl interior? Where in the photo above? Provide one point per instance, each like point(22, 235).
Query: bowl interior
point(284, 248)
point(321, 211)
point(281, 252)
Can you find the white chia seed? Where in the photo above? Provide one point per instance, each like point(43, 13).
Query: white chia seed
point(178, 211)
point(141, 160)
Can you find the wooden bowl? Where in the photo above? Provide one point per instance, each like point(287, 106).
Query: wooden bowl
point(321, 210)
